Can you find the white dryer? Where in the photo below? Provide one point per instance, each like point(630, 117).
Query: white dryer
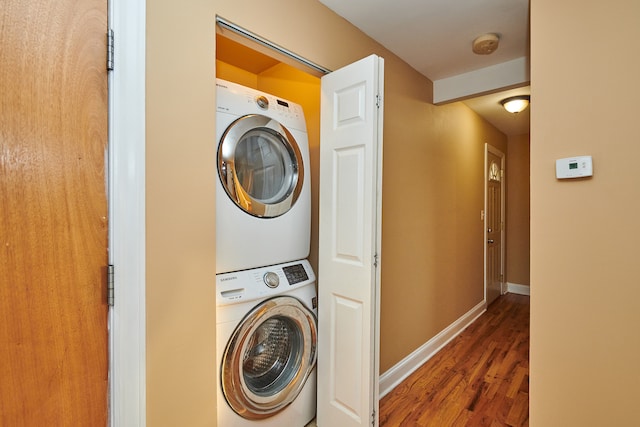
point(263, 195)
point(266, 333)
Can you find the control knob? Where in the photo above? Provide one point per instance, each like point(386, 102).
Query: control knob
point(271, 279)
point(262, 102)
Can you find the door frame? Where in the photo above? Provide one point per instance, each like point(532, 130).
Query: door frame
point(491, 149)
point(126, 198)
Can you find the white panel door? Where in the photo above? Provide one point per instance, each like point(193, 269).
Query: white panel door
point(349, 246)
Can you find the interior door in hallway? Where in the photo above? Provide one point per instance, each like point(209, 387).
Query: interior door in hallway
point(53, 213)
point(349, 245)
point(494, 222)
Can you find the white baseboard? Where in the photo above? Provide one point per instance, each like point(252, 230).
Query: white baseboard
point(515, 288)
point(396, 374)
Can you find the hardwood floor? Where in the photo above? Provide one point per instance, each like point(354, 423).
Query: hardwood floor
point(481, 378)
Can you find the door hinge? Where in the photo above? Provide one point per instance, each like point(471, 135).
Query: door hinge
point(110, 49)
point(110, 285)
point(375, 260)
point(378, 101)
point(373, 418)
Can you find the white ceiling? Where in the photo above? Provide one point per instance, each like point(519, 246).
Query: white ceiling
point(435, 37)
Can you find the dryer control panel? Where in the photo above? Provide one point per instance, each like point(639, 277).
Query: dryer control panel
point(236, 99)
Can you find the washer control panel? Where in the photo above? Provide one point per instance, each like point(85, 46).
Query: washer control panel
point(257, 283)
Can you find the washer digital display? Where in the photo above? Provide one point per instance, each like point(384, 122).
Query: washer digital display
point(295, 274)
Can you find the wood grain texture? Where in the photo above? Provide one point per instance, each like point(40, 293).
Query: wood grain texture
point(481, 378)
point(53, 213)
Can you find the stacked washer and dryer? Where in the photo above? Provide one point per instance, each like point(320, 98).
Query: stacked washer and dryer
point(265, 288)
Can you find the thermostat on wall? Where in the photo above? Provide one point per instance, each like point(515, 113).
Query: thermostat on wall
point(574, 167)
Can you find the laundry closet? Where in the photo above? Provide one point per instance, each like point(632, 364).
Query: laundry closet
point(266, 294)
point(268, 122)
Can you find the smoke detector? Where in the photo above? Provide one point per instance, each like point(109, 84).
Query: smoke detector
point(486, 44)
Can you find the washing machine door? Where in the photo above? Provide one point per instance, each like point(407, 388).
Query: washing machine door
point(260, 166)
point(269, 357)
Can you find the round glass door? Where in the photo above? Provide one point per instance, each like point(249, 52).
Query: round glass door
point(269, 358)
point(260, 166)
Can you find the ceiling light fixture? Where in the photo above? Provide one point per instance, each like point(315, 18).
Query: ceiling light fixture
point(515, 104)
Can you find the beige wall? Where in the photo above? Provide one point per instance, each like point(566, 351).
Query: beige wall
point(585, 270)
point(517, 221)
point(180, 213)
point(432, 268)
point(433, 194)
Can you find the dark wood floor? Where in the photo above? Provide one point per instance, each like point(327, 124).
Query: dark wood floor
point(481, 378)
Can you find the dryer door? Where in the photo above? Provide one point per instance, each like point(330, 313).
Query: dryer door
point(260, 166)
point(269, 357)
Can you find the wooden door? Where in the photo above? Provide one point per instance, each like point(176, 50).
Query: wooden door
point(494, 224)
point(53, 213)
point(349, 246)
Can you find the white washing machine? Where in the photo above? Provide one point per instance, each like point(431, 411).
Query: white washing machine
point(266, 333)
point(263, 195)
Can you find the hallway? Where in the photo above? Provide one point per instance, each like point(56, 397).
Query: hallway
point(481, 378)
